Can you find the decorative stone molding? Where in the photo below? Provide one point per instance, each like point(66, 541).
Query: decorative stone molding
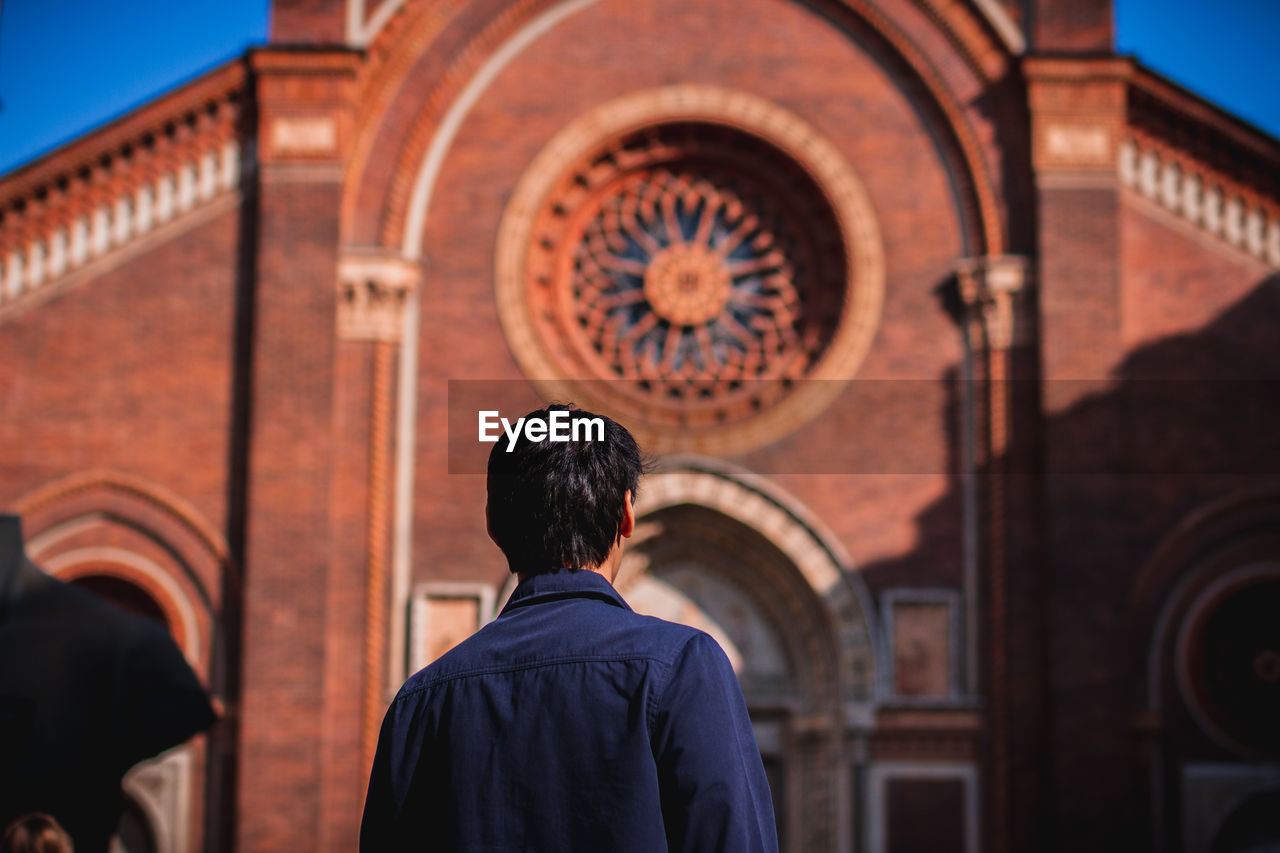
point(373, 293)
point(113, 188)
point(304, 134)
point(305, 104)
point(810, 551)
point(991, 286)
point(1077, 144)
point(443, 614)
point(1203, 197)
point(73, 242)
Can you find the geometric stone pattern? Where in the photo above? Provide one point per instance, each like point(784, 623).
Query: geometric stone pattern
point(704, 268)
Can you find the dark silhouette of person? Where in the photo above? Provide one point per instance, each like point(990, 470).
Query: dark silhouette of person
point(86, 692)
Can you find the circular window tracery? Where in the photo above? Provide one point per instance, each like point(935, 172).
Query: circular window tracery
point(689, 264)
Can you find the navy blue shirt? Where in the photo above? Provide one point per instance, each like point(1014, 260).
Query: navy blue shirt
point(571, 723)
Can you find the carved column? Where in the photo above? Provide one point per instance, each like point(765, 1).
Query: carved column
point(374, 290)
point(993, 291)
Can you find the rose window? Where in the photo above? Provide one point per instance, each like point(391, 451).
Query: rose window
point(690, 281)
point(685, 277)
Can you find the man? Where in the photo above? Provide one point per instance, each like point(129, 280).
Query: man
point(570, 723)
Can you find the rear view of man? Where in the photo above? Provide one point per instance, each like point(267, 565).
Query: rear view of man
point(570, 723)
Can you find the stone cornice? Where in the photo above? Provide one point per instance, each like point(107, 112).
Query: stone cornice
point(1202, 164)
point(213, 99)
point(1202, 195)
point(1162, 108)
point(115, 186)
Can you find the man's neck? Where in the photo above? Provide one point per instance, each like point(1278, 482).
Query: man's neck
point(601, 570)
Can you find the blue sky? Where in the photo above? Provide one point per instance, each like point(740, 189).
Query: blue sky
point(67, 66)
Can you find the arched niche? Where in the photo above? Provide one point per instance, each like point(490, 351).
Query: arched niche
point(110, 525)
point(798, 562)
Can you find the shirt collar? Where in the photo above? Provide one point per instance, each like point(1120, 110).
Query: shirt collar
point(561, 584)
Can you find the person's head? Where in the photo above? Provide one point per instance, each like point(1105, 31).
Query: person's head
point(36, 833)
point(556, 504)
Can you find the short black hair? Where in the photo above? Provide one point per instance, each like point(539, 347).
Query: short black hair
point(559, 504)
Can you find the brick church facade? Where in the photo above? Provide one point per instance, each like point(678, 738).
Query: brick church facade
point(952, 332)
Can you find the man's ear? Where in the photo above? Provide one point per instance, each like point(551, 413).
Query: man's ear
point(628, 525)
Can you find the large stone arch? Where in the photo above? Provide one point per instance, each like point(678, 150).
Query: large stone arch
point(817, 558)
point(429, 64)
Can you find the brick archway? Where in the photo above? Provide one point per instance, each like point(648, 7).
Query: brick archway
point(815, 557)
point(104, 527)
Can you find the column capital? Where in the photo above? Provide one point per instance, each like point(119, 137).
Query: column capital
point(373, 294)
point(991, 287)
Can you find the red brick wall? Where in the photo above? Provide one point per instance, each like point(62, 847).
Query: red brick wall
point(1186, 308)
point(130, 371)
point(308, 21)
point(288, 537)
point(1071, 25)
point(1177, 277)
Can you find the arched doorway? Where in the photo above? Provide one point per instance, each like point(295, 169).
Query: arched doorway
point(714, 552)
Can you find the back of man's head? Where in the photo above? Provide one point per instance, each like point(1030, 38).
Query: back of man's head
point(557, 504)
